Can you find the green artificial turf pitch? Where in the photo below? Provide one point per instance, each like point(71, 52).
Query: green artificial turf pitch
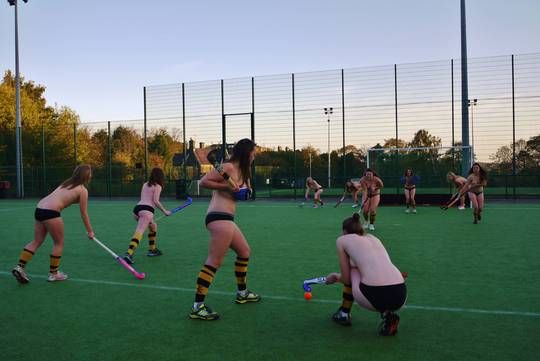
point(473, 289)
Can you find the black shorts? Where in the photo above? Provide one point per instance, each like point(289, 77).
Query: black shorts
point(385, 298)
point(44, 214)
point(142, 207)
point(218, 216)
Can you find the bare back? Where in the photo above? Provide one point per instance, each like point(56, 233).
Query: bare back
point(370, 257)
point(61, 198)
point(148, 194)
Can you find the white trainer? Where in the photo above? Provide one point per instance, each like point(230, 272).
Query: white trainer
point(414, 210)
point(58, 276)
point(20, 274)
point(461, 208)
point(371, 227)
point(407, 210)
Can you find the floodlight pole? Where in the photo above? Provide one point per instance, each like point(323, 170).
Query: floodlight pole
point(18, 130)
point(328, 111)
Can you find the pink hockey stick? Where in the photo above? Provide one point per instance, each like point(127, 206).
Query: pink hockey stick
point(138, 275)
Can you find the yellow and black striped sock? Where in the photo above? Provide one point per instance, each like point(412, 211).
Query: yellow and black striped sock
point(240, 270)
point(55, 263)
point(346, 303)
point(152, 240)
point(372, 218)
point(25, 257)
point(206, 276)
point(134, 243)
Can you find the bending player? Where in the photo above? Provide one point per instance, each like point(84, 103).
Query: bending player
point(144, 215)
point(352, 187)
point(476, 181)
point(312, 185)
point(224, 233)
point(369, 277)
point(48, 220)
point(409, 181)
point(371, 196)
point(459, 183)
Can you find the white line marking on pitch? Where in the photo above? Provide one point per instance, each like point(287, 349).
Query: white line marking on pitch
point(299, 299)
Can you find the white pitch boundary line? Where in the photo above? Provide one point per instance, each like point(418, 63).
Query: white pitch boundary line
point(299, 299)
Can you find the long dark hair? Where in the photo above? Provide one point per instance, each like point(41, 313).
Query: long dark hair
point(240, 153)
point(372, 171)
point(352, 225)
point(483, 173)
point(408, 169)
point(156, 177)
point(81, 175)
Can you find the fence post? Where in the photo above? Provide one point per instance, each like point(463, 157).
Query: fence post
point(252, 121)
point(184, 131)
point(75, 144)
point(396, 111)
point(294, 132)
point(223, 132)
point(44, 190)
point(343, 122)
point(109, 161)
point(145, 139)
point(513, 134)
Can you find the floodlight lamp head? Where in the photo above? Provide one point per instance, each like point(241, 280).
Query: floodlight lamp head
point(11, 2)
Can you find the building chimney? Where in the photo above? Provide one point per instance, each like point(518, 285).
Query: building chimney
point(191, 144)
point(201, 145)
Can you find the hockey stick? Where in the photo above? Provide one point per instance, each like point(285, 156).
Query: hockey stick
point(120, 260)
point(188, 202)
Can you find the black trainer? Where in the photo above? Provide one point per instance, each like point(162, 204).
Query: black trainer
point(389, 324)
point(338, 317)
point(154, 252)
point(128, 258)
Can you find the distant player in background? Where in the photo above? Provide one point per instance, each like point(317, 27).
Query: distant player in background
point(353, 188)
point(409, 181)
point(459, 183)
point(371, 196)
point(227, 183)
point(48, 220)
point(144, 215)
point(476, 181)
point(312, 185)
point(368, 277)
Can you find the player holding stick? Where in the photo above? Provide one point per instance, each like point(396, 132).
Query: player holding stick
point(459, 183)
point(476, 181)
point(144, 215)
point(312, 185)
point(224, 233)
point(371, 196)
point(48, 220)
point(409, 181)
point(369, 277)
point(353, 188)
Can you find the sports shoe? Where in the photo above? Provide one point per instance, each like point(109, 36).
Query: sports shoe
point(389, 324)
point(371, 227)
point(154, 253)
point(248, 297)
point(58, 276)
point(128, 258)
point(315, 206)
point(407, 210)
point(355, 205)
point(365, 225)
point(20, 274)
point(344, 319)
point(461, 208)
point(203, 312)
point(414, 210)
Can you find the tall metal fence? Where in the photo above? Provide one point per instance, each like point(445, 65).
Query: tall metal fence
point(400, 105)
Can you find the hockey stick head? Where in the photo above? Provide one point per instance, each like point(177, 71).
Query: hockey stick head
point(138, 275)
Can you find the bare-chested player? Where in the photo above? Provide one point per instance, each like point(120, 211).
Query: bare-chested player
point(369, 277)
point(144, 215)
point(48, 220)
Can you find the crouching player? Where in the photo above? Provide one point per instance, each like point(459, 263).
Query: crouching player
point(368, 277)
